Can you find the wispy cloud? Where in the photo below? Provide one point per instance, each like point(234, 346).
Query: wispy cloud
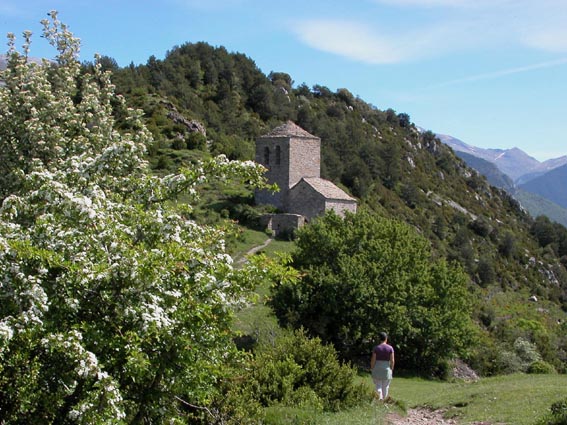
point(503, 73)
point(370, 44)
point(552, 39)
point(349, 39)
point(458, 25)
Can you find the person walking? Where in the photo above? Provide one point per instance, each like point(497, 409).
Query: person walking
point(382, 366)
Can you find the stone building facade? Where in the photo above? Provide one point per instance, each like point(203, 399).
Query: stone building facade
point(292, 157)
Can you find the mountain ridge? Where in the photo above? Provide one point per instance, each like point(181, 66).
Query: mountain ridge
point(550, 185)
point(514, 162)
point(539, 190)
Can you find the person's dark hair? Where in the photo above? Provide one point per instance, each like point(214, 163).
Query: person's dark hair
point(382, 336)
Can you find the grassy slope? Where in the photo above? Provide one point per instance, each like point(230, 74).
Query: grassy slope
point(257, 319)
point(514, 399)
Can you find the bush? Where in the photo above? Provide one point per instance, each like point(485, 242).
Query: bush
point(298, 371)
point(232, 404)
point(196, 140)
point(559, 411)
point(508, 362)
point(541, 367)
point(557, 414)
point(521, 357)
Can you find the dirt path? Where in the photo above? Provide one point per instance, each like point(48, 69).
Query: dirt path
point(253, 251)
point(419, 416)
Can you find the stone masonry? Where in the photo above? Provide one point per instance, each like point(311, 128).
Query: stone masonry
point(292, 157)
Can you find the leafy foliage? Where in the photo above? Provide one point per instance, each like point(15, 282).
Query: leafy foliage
point(365, 274)
point(115, 305)
point(557, 414)
point(298, 371)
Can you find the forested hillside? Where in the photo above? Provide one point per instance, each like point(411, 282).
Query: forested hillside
point(382, 159)
point(119, 292)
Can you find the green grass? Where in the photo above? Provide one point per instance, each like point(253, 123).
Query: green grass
point(372, 413)
point(247, 240)
point(513, 399)
point(257, 319)
point(254, 238)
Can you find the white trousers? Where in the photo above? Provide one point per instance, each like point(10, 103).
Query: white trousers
point(382, 387)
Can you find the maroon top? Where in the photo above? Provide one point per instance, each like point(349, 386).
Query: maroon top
point(383, 351)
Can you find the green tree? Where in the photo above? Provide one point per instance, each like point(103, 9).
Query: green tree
point(364, 274)
point(392, 173)
point(543, 230)
point(115, 306)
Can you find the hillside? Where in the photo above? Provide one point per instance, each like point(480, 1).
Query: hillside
point(550, 185)
point(492, 173)
point(534, 197)
point(538, 205)
point(380, 157)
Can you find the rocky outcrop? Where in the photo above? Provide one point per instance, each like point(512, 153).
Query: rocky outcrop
point(192, 126)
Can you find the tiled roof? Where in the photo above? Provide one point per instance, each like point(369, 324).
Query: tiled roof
point(327, 188)
point(289, 129)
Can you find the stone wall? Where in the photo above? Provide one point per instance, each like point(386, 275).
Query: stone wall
point(304, 200)
point(287, 159)
point(304, 159)
point(341, 206)
point(278, 169)
point(282, 223)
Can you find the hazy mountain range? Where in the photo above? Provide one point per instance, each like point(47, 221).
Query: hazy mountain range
point(514, 162)
point(539, 186)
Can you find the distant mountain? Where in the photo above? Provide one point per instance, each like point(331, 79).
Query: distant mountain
point(4, 61)
point(550, 185)
point(513, 162)
point(492, 173)
point(541, 191)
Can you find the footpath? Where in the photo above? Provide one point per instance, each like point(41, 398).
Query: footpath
point(253, 251)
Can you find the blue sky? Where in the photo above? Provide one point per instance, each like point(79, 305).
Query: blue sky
point(492, 73)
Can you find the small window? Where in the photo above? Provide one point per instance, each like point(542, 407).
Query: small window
point(278, 155)
point(267, 156)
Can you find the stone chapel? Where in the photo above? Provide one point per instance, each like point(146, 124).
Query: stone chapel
point(292, 157)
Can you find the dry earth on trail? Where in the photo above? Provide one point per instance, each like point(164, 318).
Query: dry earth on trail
point(252, 251)
point(421, 416)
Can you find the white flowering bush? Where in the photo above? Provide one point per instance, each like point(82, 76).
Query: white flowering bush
point(115, 307)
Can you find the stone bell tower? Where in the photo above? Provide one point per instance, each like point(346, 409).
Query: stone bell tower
point(289, 153)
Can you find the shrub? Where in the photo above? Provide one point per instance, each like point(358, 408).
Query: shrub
point(298, 371)
point(508, 362)
point(178, 143)
point(518, 358)
point(541, 367)
point(559, 411)
point(527, 351)
point(196, 140)
point(557, 414)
